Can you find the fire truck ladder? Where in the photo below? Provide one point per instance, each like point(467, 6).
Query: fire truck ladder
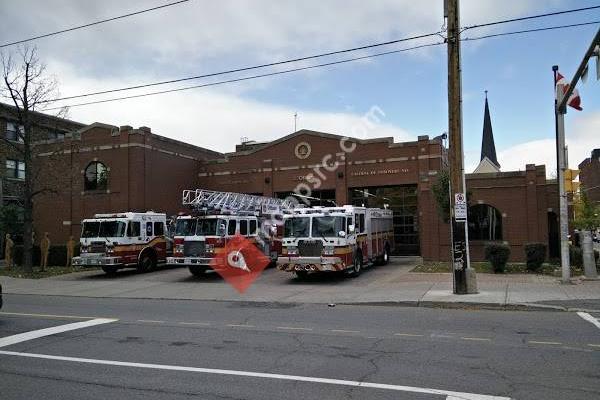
point(201, 199)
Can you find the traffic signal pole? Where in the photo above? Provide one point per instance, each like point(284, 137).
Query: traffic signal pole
point(560, 111)
point(464, 276)
point(562, 194)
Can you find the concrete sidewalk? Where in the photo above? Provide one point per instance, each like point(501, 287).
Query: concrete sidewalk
point(391, 284)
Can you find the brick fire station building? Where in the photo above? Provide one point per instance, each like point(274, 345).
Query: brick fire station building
point(104, 168)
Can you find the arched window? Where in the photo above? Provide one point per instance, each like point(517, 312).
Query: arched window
point(485, 223)
point(95, 176)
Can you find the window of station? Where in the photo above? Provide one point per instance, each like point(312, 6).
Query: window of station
point(15, 169)
point(485, 223)
point(95, 176)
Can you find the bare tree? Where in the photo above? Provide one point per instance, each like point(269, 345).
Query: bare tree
point(27, 86)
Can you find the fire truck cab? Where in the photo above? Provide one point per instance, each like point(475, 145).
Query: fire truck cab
point(199, 239)
point(217, 217)
point(319, 239)
point(129, 239)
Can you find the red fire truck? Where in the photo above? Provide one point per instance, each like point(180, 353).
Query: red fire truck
point(130, 239)
point(219, 216)
point(318, 239)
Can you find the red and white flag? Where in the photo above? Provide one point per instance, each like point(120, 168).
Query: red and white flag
point(562, 84)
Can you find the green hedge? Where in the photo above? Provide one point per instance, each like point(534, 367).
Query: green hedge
point(497, 254)
point(575, 256)
point(535, 255)
point(57, 256)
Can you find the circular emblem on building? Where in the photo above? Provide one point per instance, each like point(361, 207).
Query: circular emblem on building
point(302, 150)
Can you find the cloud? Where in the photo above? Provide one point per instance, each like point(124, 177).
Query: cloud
point(204, 34)
point(218, 119)
point(581, 137)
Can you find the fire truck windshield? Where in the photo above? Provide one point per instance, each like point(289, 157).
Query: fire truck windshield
point(208, 226)
point(112, 229)
point(185, 227)
point(90, 229)
point(328, 226)
point(103, 229)
point(297, 226)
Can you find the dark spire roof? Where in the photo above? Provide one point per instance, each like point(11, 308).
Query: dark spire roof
point(488, 148)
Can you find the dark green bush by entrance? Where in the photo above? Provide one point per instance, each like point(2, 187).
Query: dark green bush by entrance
point(535, 255)
point(497, 254)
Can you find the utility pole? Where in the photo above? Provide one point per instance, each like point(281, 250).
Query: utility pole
point(560, 111)
point(464, 276)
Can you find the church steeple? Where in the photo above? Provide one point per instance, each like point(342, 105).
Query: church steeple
point(488, 148)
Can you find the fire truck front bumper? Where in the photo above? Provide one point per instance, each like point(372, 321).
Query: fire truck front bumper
point(189, 261)
point(310, 264)
point(96, 260)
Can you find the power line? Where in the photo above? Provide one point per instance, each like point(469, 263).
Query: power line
point(300, 68)
point(319, 65)
point(272, 64)
point(313, 56)
point(549, 28)
point(250, 77)
point(93, 23)
point(504, 21)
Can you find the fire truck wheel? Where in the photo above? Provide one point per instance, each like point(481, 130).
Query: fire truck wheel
point(108, 270)
point(357, 267)
point(146, 263)
point(302, 275)
point(197, 271)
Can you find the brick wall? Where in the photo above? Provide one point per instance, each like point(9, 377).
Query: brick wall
point(146, 172)
point(589, 176)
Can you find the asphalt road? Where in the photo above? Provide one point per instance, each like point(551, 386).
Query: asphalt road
point(166, 349)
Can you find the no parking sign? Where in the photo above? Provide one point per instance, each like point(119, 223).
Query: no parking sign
point(460, 207)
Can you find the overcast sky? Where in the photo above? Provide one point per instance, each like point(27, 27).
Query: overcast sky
point(203, 36)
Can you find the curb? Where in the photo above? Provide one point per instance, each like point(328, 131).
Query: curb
point(406, 303)
point(467, 305)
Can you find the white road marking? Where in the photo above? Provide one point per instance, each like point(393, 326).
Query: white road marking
point(589, 318)
point(298, 378)
point(240, 326)
point(46, 315)
point(476, 338)
point(343, 331)
point(23, 337)
point(196, 323)
point(539, 342)
point(151, 321)
point(294, 328)
point(408, 334)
